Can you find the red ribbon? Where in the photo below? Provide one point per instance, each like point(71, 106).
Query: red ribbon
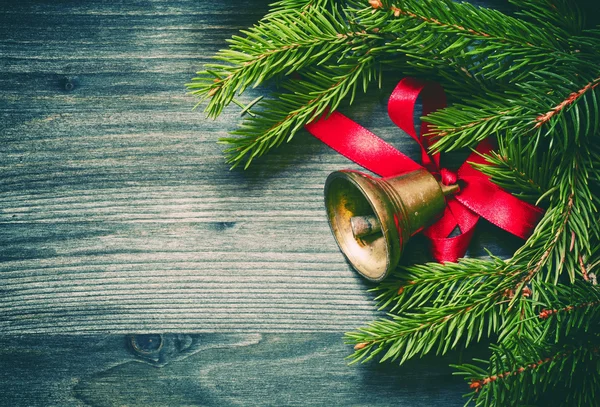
point(478, 195)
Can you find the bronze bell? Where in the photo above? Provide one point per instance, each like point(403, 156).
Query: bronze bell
point(373, 218)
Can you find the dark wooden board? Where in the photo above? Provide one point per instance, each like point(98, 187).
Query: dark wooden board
point(117, 212)
point(211, 370)
point(119, 216)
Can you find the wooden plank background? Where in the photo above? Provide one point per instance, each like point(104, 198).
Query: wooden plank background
point(118, 215)
point(213, 370)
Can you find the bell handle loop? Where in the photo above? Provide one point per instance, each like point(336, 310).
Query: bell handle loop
point(449, 189)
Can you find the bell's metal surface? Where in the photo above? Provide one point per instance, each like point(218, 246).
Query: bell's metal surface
point(373, 218)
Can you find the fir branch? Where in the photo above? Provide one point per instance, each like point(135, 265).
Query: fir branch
point(547, 248)
point(564, 309)
point(519, 167)
point(507, 43)
point(464, 125)
point(478, 384)
point(547, 313)
point(307, 99)
point(294, 5)
point(552, 14)
point(525, 363)
point(281, 43)
point(532, 81)
point(562, 313)
point(440, 306)
point(466, 19)
point(568, 111)
point(411, 334)
point(556, 244)
point(289, 40)
point(551, 245)
point(572, 98)
point(421, 284)
point(565, 115)
point(581, 327)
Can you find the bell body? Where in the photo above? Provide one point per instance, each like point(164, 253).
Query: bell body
point(373, 218)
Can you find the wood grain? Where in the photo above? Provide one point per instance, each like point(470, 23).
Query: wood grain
point(211, 370)
point(135, 268)
point(117, 213)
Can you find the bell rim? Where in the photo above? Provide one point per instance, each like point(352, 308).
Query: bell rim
point(393, 246)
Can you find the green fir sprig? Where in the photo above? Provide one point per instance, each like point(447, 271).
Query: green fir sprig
point(531, 80)
point(559, 364)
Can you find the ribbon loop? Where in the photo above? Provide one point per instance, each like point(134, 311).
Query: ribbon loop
point(448, 177)
point(478, 195)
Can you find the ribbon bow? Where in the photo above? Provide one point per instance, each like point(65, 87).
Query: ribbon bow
point(478, 195)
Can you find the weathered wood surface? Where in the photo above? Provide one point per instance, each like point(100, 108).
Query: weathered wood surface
point(212, 370)
point(117, 212)
point(118, 215)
